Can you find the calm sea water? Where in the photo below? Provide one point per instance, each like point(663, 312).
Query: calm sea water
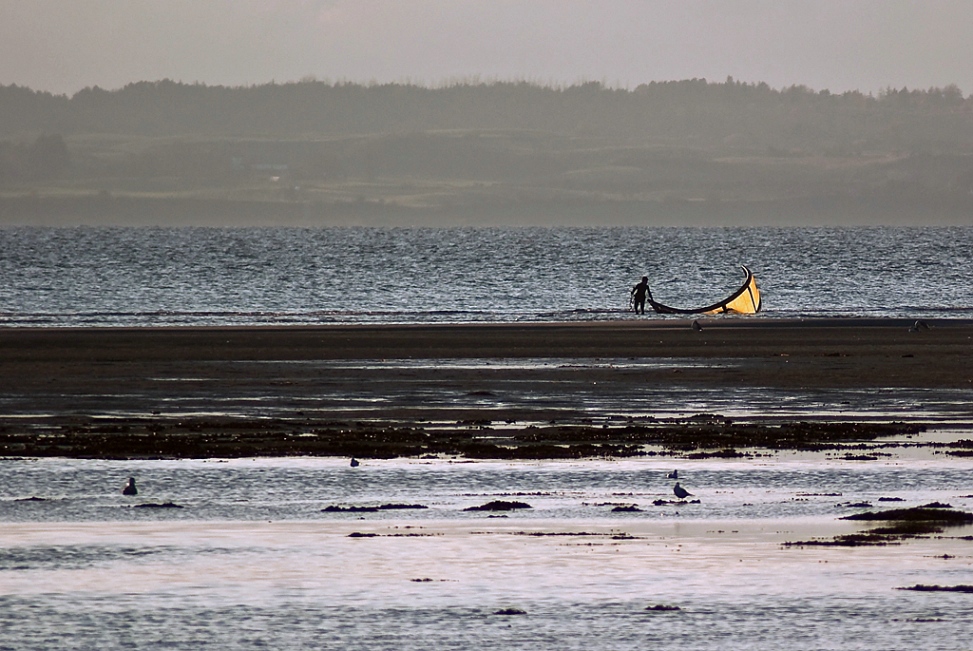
point(190, 276)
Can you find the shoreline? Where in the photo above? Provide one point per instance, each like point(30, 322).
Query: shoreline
point(543, 390)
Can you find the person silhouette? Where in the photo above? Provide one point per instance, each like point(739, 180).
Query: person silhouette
point(130, 487)
point(639, 293)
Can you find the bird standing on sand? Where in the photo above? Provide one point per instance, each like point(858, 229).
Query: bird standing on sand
point(130, 487)
point(681, 492)
point(919, 325)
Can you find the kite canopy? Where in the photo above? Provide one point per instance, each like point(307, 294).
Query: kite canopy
point(745, 300)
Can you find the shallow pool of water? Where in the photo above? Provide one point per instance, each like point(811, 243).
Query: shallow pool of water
point(252, 559)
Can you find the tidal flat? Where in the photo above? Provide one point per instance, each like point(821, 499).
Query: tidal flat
point(251, 526)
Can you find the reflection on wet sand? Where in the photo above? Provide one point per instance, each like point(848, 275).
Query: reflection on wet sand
point(256, 546)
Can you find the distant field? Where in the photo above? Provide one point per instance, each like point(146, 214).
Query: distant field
point(311, 154)
point(474, 178)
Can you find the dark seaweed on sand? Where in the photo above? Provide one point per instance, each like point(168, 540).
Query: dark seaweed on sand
point(934, 512)
point(211, 437)
point(962, 448)
point(371, 509)
point(499, 505)
point(940, 588)
point(902, 523)
point(847, 540)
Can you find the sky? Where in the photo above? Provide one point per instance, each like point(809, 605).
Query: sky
point(63, 46)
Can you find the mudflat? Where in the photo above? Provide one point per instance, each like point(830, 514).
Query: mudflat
point(825, 353)
point(61, 387)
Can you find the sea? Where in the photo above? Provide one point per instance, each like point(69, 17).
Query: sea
point(109, 277)
point(312, 553)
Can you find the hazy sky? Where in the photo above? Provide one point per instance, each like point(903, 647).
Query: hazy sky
point(66, 45)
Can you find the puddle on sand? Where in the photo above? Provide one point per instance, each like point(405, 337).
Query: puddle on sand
point(253, 553)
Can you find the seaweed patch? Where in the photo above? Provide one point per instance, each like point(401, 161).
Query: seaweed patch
point(499, 505)
point(901, 524)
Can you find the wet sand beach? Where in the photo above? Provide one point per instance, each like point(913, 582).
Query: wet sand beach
point(382, 390)
point(778, 428)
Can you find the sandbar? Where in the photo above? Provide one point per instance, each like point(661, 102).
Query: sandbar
point(270, 383)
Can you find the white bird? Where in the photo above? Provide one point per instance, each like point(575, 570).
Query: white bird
point(681, 492)
point(673, 475)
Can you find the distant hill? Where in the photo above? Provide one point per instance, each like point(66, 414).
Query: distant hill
point(316, 153)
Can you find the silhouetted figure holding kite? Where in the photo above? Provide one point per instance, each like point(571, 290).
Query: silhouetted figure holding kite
point(639, 292)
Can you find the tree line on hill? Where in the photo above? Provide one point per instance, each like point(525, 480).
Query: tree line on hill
point(693, 112)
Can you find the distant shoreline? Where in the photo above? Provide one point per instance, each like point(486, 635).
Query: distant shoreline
point(134, 209)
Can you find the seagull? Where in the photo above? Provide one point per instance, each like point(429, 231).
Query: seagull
point(673, 475)
point(681, 492)
point(130, 487)
point(696, 326)
point(354, 462)
point(919, 325)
